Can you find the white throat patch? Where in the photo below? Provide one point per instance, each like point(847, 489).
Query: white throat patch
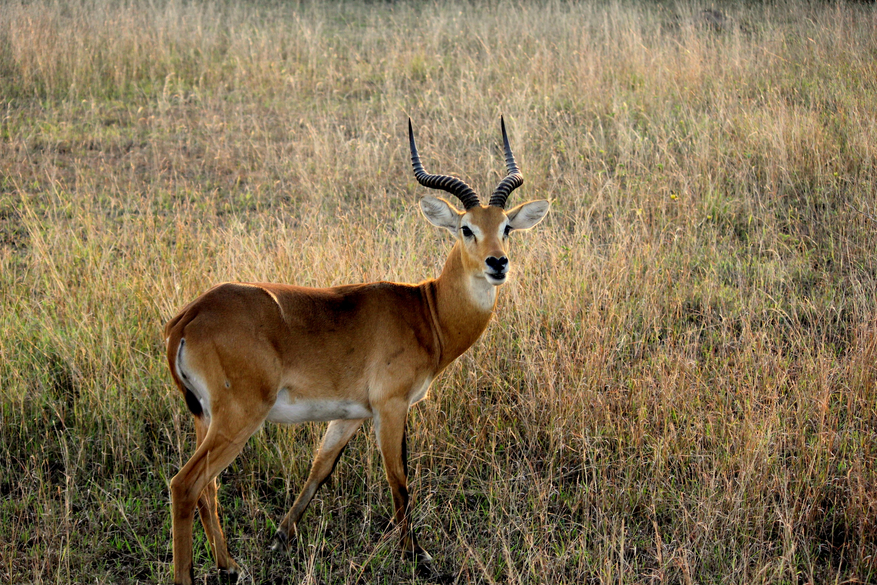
point(482, 293)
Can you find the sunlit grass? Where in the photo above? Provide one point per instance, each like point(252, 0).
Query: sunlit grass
point(679, 385)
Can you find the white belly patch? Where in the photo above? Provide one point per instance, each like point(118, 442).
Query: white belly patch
point(287, 410)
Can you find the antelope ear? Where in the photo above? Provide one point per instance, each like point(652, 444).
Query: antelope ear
point(440, 213)
point(526, 215)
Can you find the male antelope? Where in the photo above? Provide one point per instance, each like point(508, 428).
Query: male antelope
point(245, 353)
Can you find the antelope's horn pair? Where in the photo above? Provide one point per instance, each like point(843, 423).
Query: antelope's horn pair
point(458, 188)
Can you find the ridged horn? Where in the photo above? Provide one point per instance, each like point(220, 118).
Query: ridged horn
point(452, 185)
point(513, 179)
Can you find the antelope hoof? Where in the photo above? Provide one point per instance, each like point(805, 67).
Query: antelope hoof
point(280, 542)
point(418, 556)
point(426, 570)
point(229, 575)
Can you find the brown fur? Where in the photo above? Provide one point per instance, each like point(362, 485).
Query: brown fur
point(372, 348)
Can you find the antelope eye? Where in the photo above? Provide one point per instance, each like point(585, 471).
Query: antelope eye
point(508, 230)
point(467, 233)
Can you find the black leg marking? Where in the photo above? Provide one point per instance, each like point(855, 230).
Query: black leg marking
point(405, 450)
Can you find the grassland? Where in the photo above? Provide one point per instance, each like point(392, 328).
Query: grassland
point(679, 386)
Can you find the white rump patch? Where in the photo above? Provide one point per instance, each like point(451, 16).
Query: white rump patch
point(192, 381)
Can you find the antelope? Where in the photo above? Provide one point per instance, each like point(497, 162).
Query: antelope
point(242, 354)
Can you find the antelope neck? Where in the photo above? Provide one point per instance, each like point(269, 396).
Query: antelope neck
point(459, 316)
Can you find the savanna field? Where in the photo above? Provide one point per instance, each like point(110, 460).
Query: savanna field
point(679, 384)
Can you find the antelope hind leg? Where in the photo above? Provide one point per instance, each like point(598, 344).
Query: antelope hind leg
point(208, 510)
point(216, 452)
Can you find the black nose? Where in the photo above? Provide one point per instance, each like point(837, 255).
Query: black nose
point(497, 264)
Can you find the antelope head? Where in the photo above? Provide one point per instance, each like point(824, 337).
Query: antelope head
point(482, 231)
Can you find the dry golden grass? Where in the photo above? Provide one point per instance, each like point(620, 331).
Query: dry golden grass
point(679, 386)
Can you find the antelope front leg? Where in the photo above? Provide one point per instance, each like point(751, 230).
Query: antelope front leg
point(390, 428)
point(338, 433)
